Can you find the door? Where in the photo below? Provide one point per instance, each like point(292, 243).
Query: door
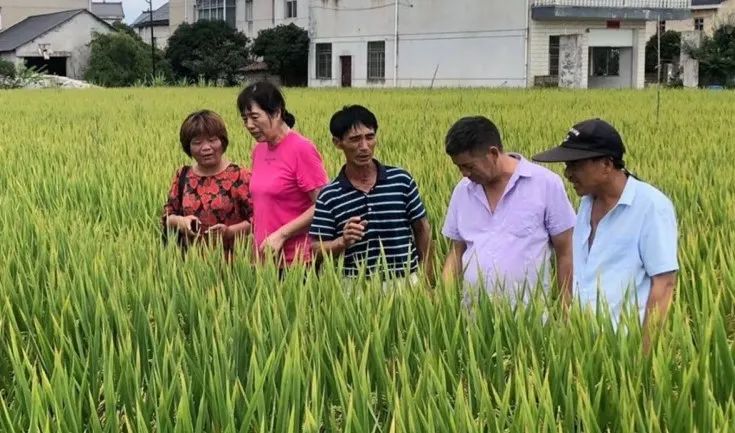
point(346, 62)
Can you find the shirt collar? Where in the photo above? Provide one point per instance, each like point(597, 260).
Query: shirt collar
point(626, 198)
point(524, 167)
point(345, 182)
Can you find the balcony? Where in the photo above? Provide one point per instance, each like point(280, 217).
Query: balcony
point(623, 10)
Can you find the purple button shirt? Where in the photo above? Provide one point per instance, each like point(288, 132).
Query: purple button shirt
point(511, 247)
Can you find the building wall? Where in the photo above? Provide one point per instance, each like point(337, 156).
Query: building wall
point(482, 48)
point(270, 13)
point(266, 14)
point(180, 11)
point(712, 19)
point(160, 35)
point(15, 11)
point(539, 45)
point(71, 38)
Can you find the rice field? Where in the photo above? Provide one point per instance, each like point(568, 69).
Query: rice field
point(102, 330)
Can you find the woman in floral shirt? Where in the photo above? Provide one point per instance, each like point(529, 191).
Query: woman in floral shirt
point(209, 201)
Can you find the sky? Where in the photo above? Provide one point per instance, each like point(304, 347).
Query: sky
point(133, 8)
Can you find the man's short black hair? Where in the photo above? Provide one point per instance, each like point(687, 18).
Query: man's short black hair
point(350, 117)
point(472, 134)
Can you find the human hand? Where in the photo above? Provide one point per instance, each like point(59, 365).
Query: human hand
point(353, 231)
point(189, 225)
point(221, 230)
point(273, 242)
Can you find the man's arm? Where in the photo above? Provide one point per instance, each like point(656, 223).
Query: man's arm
point(422, 234)
point(562, 244)
point(657, 306)
point(353, 232)
point(453, 263)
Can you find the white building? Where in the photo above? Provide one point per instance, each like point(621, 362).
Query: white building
point(248, 16)
point(577, 43)
point(160, 23)
point(110, 12)
point(707, 15)
point(59, 41)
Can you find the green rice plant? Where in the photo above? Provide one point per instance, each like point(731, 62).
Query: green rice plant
point(103, 330)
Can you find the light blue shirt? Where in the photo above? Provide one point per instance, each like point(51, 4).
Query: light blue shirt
point(635, 241)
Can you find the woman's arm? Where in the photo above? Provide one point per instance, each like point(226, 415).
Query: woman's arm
point(276, 239)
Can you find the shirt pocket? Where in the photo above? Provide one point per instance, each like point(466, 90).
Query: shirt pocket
point(524, 222)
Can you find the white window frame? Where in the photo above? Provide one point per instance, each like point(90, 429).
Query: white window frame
point(323, 66)
point(375, 61)
point(292, 9)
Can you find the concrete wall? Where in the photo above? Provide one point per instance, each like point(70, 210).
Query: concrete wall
point(539, 44)
point(573, 61)
point(266, 14)
point(485, 47)
point(712, 19)
point(72, 39)
point(270, 13)
point(180, 11)
point(160, 34)
point(15, 11)
point(10, 57)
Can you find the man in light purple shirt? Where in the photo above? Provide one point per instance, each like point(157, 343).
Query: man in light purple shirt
point(505, 217)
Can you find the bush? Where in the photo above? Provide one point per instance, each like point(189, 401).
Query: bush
point(207, 50)
point(119, 60)
point(7, 69)
point(285, 49)
point(716, 57)
point(670, 49)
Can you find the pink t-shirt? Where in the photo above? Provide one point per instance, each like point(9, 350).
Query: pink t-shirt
point(281, 180)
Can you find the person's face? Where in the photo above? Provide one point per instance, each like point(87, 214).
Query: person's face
point(206, 151)
point(358, 145)
point(480, 167)
point(587, 175)
point(259, 124)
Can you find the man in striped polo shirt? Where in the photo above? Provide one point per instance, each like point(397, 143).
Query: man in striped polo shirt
point(371, 213)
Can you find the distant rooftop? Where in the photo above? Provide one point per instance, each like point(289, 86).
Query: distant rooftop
point(160, 17)
point(108, 10)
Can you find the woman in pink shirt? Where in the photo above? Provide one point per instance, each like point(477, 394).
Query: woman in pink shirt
point(287, 175)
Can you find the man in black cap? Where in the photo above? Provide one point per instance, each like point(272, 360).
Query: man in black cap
point(625, 238)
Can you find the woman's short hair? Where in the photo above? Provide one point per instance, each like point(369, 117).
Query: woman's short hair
point(203, 123)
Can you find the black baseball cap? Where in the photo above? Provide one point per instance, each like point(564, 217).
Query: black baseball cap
point(588, 139)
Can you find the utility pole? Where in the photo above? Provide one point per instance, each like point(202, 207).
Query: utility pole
point(153, 41)
point(395, 44)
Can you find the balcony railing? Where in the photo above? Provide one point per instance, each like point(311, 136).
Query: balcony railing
point(633, 4)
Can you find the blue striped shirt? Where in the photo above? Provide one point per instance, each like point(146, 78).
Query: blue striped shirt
point(390, 208)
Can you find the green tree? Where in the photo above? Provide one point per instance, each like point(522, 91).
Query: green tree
point(670, 49)
point(208, 49)
point(285, 49)
point(119, 60)
point(716, 57)
point(124, 28)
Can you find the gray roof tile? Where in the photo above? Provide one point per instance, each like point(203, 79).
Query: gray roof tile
point(159, 15)
point(108, 10)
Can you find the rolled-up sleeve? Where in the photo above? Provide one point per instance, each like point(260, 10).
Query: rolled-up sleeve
point(659, 239)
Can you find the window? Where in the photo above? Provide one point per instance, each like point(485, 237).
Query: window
point(698, 23)
point(217, 10)
point(291, 9)
point(376, 61)
point(554, 55)
point(604, 62)
point(248, 10)
point(324, 61)
point(662, 26)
